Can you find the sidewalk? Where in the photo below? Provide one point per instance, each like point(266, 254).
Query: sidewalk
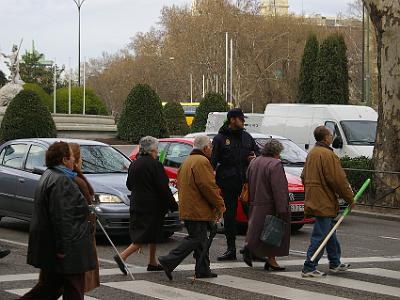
point(377, 213)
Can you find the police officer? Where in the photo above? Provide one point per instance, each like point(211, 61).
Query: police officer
point(233, 149)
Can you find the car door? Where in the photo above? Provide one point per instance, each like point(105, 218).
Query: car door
point(10, 171)
point(177, 152)
point(27, 182)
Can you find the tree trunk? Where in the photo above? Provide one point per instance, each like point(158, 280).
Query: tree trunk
point(385, 16)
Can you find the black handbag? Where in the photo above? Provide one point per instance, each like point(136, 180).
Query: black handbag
point(273, 232)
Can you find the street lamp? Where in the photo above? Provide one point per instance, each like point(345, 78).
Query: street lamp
point(79, 4)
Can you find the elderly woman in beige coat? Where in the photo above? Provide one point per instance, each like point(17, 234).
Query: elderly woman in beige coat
point(268, 195)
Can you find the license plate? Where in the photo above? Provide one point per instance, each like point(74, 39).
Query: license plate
point(296, 207)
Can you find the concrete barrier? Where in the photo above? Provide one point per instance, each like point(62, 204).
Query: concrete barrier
point(83, 126)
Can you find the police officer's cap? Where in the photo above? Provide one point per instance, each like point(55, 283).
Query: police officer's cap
point(235, 113)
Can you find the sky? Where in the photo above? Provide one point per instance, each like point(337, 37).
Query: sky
point(106, 25)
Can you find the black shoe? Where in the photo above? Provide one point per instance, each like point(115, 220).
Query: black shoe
point(229, 255)
point(268, 266)
point(206, 275)
point(4, 253)
point(151, 268)
point(120, 264)
point(167, 271)
point(247, 258)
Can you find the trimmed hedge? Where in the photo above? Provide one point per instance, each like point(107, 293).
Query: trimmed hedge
point(142, 115)
point(212, 102)
point(44, 96)
point(94, 105)
point(175, 119)
point(27, 117)
point(357, 178)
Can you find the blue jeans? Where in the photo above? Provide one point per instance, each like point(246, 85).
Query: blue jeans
point(322, 226)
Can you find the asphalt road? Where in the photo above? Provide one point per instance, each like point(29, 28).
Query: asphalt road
point(371, 245)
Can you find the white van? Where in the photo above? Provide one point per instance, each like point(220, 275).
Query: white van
point(252, 124)
point(354, 127)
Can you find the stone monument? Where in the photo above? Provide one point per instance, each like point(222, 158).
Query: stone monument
point(11, 89)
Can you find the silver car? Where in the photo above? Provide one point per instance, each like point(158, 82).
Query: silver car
point(23, 161)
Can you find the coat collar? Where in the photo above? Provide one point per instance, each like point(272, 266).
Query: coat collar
point(198, 152)
point(321, 144)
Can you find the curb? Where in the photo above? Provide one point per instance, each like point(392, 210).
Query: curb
point(388, 217)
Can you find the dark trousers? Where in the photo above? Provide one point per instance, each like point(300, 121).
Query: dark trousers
point(53, 285)
point(197, 242)
point(231, 201)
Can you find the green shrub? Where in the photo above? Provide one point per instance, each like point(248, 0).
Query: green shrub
point(307, 70)
point(27, 117)
point(357, 178)
point(142, 115)
point(94, 105)
point(46, 98)
point(212, 102)
point(175, 119)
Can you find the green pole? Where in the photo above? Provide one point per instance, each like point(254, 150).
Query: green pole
point(358, 195)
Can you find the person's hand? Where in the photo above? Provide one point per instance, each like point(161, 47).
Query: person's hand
point(352, 206)
point(251, 156)
point(218, 217)
point(60, 255)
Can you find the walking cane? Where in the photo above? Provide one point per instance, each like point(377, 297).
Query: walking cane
point(115, 249)
point(345, 213)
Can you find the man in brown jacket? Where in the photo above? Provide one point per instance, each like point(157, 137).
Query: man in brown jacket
point(324, 181)
point(200, 205)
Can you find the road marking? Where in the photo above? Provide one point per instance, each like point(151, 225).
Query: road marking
point(378, 272)
point(14, 243)
point(158, 291)
point(389, 238)
point(21, 292)
point(348, 283)
point(264, 288)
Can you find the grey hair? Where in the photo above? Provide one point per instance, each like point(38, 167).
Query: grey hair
point(201, 141)
point(147, 144)
point(272, 147)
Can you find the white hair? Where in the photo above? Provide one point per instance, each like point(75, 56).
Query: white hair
point(200, 142)
point(147, 144)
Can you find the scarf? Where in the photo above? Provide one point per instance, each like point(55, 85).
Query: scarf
point(70, 174)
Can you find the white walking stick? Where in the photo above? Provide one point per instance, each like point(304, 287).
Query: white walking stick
point(115, 249)
point(345, 213)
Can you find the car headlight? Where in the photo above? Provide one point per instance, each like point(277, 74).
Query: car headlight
point(107, 198)
point(176, 197)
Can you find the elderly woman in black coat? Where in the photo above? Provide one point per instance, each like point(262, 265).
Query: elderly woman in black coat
point(150, 200)
point(268, 195)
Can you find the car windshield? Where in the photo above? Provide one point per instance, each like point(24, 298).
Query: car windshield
point(291, 154)
point(103, 159)
point(359, 132)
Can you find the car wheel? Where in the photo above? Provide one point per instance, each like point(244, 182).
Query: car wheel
point(296, 227)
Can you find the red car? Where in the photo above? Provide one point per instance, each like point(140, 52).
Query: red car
point(293, 157)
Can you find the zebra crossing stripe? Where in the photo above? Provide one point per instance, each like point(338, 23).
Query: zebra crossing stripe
point(269, 289)
point(158, 291)
point(21, 292)
point(378, 272)
point(348, 283)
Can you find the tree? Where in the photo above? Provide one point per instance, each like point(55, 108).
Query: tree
point(385, 17)
point(34, 70)
point(94, 105)
point(307, 70)
point(142, 115)
point(212, 102)
point(175, 119)
point(3, 79)
point(27, 117)
point(331, 80)
point(46, 99)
